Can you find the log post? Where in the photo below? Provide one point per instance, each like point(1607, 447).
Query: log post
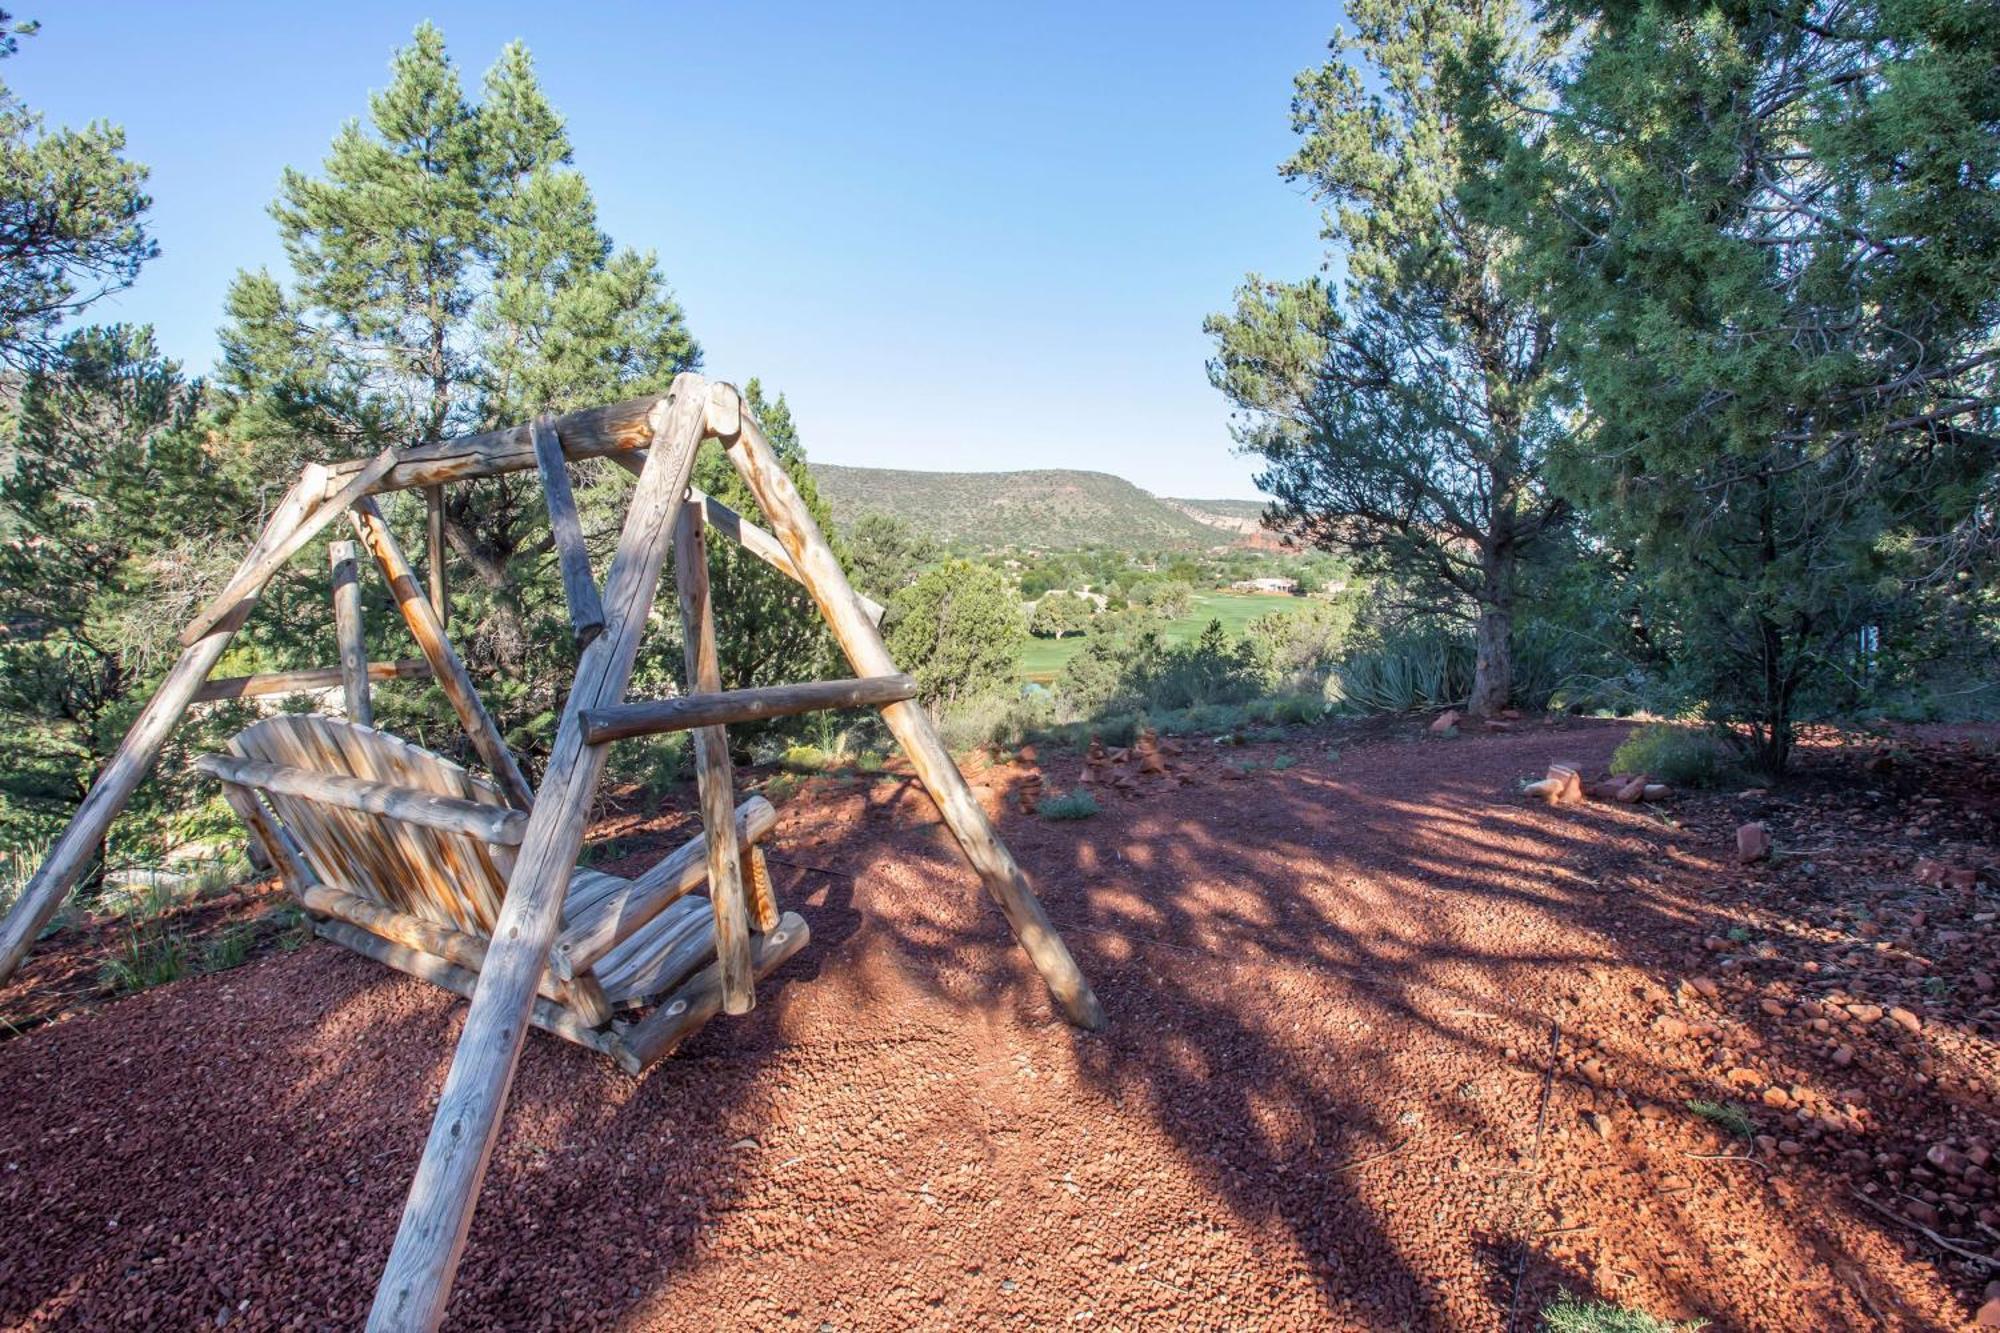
point(78, 845)
point(586, 612)
point(446, 668)
point(347, 633)
point(417, 1280)
point(434, 552)
point(715, 779)
point(862, 642)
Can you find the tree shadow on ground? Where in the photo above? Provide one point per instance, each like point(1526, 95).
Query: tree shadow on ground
point(1319, 1100)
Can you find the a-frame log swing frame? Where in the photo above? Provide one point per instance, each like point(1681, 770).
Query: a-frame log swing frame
point(656, 438)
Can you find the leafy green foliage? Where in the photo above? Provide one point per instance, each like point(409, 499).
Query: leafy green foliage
point(1421, 669)
point(448, 275)
point(1298, 648)
point(72, 219)
point(150, 954)
point(1772, 241)
point(885, 554)
point(1682, 756)
point(1060, 613)
point(1574, 1314)
point(110, 478)
point(1727, 1116)
point(1072, 805)
point(958, 630)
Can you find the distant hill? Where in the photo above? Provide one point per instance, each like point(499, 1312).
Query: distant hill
point(1244, 516)
point(1051, 509)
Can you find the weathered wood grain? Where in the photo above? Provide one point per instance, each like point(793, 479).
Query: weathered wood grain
point(297, 682)
point(715, 779)
point(492, 823)
point(591, 433)
point(347, 632)
point(446, 667)
point(586, 612)
point(417, 1279)
point(651, 716)
point(682, 1013)
point(434, 552)
point(595, 926)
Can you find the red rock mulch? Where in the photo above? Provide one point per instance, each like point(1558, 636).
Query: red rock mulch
point(1390, 1047)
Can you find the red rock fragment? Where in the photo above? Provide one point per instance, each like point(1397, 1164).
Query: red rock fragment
point(1753, 843)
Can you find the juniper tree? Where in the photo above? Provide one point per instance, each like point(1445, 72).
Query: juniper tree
point(1772, 234)
point(111, 470)
point(1405, 414)
point(72, 219)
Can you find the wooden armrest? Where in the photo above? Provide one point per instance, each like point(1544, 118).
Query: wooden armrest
point(602, 923)
point(492, 823)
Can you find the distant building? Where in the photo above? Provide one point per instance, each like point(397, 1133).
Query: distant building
point(1287, 586)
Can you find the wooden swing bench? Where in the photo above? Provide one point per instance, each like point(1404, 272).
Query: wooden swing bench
point(404, 857)
point(473, 883)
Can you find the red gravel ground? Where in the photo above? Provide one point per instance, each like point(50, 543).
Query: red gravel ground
point(1389, 1048)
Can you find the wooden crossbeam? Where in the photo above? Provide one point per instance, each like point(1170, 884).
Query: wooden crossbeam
point(412, 932)
point(586, 612)
point(431, 1236)
point(726, 707)
point(594, 432)
point(294, 682)
point(412, 805)
point(544, 1014)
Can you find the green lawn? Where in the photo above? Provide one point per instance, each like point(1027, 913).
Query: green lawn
point(1043, 658)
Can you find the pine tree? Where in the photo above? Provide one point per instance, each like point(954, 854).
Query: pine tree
point(72, 219)
point(448, 275)
point(1406, 418)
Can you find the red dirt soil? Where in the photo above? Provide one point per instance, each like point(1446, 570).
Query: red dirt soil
point(1389, 1048)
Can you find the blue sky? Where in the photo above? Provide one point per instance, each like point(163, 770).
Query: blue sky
point(956, 237)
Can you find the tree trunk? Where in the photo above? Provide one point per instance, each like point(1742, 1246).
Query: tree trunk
point(1493, 672)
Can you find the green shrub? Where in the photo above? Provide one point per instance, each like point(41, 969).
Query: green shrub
point(1726, 1116)
point(150, 955)
point(1420, 669)
point(1573, 1314)
point(1076, 805)
point(229, 949)
point(1682, 756)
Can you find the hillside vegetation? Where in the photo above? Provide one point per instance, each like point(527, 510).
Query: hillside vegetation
point(1047, 509)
